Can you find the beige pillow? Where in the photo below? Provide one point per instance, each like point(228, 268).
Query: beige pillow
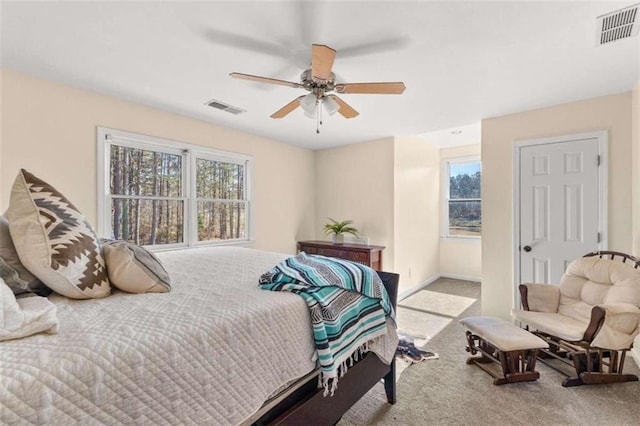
point(53, 240)
point(134, 269)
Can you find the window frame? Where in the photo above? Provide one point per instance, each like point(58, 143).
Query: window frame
point(445, 168)
point(107, 137)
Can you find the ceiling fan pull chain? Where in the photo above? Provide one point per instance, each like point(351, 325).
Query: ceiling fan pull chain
point(318, 117)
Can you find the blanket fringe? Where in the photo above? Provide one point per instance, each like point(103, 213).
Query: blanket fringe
point(330, 384)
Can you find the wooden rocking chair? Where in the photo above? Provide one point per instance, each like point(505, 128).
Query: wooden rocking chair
point(590, 319)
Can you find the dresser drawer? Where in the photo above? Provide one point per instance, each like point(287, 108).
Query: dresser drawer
point(360, 253)
point(358, 256)
point(309, 250)
point(332, 253)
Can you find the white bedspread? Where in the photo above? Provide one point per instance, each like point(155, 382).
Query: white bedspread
point(209, 352)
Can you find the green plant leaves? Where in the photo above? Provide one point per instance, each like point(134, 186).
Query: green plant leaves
point(337, 228)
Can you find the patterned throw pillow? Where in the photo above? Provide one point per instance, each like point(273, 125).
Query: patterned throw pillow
point(54, 241)
point(14, 274)
point(134, 269)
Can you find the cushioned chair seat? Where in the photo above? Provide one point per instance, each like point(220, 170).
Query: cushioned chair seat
point(558, 325)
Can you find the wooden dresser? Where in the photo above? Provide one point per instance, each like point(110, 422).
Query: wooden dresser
point(365, 254)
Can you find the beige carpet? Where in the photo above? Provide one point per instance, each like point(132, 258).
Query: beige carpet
point(447, 391)
point(426, 313)
point(420, 325)
point(428, 300)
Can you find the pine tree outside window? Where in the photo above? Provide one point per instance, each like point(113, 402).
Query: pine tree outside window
point(462, 211)
point(166, 194)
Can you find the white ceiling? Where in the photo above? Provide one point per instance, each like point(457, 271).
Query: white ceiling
point(461, 61)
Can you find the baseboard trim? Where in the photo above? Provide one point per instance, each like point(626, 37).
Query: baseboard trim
point(414, 290)
point(461, 277)
point(422, 285)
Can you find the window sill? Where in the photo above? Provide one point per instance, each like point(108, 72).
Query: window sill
point(242, 243)
point(461, 237)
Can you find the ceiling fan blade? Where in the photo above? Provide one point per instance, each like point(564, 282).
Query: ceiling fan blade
point(287, 108)
point(248, 43)
point(395, 88)
point(322, 58)
point(264, 79)
point(345, 109)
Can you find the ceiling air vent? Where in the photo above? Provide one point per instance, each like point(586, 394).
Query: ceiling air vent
point(213, 103)
point(618, 25)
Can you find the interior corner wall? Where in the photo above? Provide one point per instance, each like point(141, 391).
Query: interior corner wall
point(2, 206)
point(635, 138)
point(50, 129)
point(356, 182)
point(610, 113)
point(461, 257)
point(417, 211)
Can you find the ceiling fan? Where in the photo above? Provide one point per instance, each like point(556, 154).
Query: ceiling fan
point(319, 81)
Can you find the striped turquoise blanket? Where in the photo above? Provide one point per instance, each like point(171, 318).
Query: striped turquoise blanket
point(347, 302)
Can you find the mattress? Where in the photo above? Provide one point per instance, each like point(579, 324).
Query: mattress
point(209, 352)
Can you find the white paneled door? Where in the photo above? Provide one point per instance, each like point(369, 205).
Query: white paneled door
point(559, 206)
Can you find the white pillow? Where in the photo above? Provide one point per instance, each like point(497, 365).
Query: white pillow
point(53, 240)
point(134, 269)
point(25, 316)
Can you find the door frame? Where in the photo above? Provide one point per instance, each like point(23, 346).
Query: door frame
point(603, 191)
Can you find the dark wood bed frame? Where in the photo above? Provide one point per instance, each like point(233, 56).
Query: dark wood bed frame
point(307, 405)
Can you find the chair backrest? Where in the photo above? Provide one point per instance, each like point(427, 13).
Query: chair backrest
point(592, 280)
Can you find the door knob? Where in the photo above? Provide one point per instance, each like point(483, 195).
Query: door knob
point(527, 248)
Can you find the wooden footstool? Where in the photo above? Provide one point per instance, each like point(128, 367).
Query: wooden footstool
point(506, 344)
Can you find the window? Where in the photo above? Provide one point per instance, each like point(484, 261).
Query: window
point(156, 192)
point(462, 214)
point(220, 199)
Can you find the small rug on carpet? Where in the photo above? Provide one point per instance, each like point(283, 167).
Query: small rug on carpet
point(407, 354)
point(407, 349)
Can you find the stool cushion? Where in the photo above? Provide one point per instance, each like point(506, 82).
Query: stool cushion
point(504, 335)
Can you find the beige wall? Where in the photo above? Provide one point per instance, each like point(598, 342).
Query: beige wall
point(356, 182)
point(2, 207)
point(390, 188)
point(50, 129)
point(635, 138)
point(611, 113)
point(417, 211)
point(461, 257)
point(635, 130)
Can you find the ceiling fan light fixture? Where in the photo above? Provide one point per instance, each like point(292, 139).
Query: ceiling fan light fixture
point(330, 105)
point(309, 104)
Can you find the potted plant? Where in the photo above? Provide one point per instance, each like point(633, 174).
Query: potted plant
point(338, 229)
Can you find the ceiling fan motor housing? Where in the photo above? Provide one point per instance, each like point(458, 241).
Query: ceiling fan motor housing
point(312, 83)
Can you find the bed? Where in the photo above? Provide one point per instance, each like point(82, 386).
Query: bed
point(215, 350)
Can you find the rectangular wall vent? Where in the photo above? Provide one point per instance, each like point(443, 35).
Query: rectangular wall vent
point(618, 25)
point(213, 103)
